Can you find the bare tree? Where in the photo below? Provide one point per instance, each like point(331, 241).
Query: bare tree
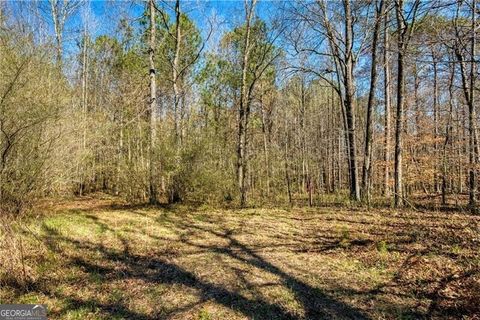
point(344, 57)
point(468, 85)
point(387, 98)
point(152, 105)
point(245, 98)
point(404, 33)
point(175, 68)
point(367, 167)
point(85, 44)
point(60, 11)
point(350, 101)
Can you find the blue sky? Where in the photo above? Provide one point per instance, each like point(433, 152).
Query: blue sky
point(104, 16)
point(230, 11)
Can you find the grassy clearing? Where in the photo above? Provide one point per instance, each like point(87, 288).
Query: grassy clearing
point(94, 259)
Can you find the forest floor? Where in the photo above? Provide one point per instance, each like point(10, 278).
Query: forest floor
point(96, 258)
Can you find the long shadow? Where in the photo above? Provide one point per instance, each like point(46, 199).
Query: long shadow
point(316, 304)
point(154, 270)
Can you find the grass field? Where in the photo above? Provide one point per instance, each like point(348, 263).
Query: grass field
point(98, 259)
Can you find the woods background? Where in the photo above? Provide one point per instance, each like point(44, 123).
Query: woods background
point(294, 102)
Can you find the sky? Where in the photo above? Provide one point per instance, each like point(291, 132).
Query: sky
point(230, 12)
point(104, 15)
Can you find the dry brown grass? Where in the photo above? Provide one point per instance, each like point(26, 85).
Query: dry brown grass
point(94, 259)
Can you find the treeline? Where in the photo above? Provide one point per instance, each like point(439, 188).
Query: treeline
point(374, 98)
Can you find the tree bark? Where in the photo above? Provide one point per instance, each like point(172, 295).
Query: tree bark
point(387, 91)
point(472, 116)
point(243, 108)
point(265, 134)
point(153, 99)
point(175, 68)
point(435, 122)
point(81, 187)
point(367, 166)
point(448, 133)
point(58, 18)
point(350, 102)
point(469, 93)
point(398, 175)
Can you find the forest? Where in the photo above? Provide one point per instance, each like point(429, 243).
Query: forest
point(243, 159)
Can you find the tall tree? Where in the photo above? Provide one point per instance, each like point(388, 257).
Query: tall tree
point(152, 106)
point(404, 33)
point(468, 85)
point(350, 101)
point(387, 103)
point(60, 11)
point(367, 167)
point(85, 44)
point(243, 110)
point(343, 52)
point(175, 69)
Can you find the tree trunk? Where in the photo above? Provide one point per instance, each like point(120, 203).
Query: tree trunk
point(468, 90)
point(350, 103)
point(448, 133)
point(153, 98)
point(435, 123)
point(398, 175)
point(243, 109)
point(58, 22)
point(286, 162)
point(81, 188)
point(387, 90)
point(175, 68)
point(265, 146)
point(472, 117)
point(367, 166)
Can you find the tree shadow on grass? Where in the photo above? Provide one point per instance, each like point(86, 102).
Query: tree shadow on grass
point(316, 304)
point(157, 270)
